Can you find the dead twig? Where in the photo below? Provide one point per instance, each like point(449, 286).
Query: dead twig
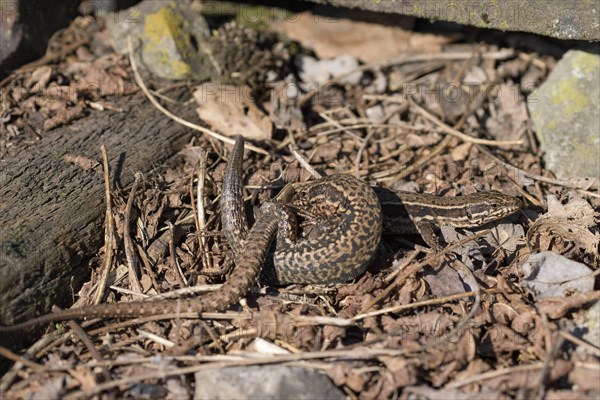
point(417, 267)
point(199, 209)
point(456, 133)
point(303, 162)
point(9, 355)
point(109, 230)
point(155, 103)
point(582, 188)
point(76, 328)
point(133, 263)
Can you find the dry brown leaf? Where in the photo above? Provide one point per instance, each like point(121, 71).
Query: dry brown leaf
point(39, 78)
point(85, 376)
point(443, 281)
point(369, 42)
point(557, 307)
point(586, 376)
point(506, 236)
point(83, 162)
point(460, 152)
point(510, 121)
point(63, 117)
point(231, 110)
point(503, 313)
point(55, 92)
point(572, 221)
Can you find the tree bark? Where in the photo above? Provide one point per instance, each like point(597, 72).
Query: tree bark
point(52, 212)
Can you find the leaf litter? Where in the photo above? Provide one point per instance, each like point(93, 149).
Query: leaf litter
point(373, 342)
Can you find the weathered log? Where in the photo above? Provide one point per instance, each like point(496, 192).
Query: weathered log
point(52, 212)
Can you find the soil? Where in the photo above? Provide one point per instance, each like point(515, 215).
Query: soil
point(450, 119)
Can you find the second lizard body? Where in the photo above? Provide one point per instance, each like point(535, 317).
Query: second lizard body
point(347, 216)
point(345, 222)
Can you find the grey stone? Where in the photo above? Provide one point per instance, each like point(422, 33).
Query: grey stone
point(566, 115)
point(264, 382)
point(549, 274)
point(173, 38)
point(588, 324)
point(577, 20)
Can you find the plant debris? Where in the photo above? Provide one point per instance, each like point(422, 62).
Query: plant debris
point(448, 118)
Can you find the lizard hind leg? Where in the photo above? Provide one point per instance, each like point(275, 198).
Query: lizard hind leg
point(287, 223)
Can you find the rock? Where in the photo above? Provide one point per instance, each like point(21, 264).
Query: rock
point(566, 115)
point(588, 325)
point(169, 33)
point(262, 382)
point(549, 274)
point(176, 43)
point(26, 27)
point(560, 19)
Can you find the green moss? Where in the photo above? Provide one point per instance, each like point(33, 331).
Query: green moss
point(583, 150)
point(588, 63)
point(165, 26)
point(569, 95)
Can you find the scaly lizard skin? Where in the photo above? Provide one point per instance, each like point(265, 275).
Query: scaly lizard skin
point(346, 217)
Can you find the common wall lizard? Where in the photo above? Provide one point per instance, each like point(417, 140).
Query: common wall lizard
point(344, 211)
point(421, 213)
point(345, 221)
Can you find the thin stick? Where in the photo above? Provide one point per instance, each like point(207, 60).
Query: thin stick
point(133, 263)
point(9, 355)
point(404, 171)
point(579, 342)
point(494, 374)
point(108, 233)
point(199, 209)
point(142, 85)
point(417, 267)
point(75, 327)
point(424, 303)
point(537, 177)
point(303, 162)
point(456, 133)
point(360, 152)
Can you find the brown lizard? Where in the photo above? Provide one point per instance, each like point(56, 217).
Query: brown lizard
point(346, 222)
point(346, 218)
point(242, 277)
